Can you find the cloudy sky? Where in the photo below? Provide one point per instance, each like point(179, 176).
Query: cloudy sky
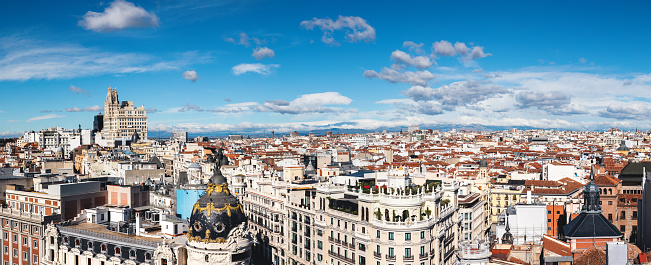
point(301, 65)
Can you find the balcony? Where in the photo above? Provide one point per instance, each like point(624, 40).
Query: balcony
point(410, 258)
point(422, 256)
point(377, 254)
point(408, 223)
point(334, 240)
point(338, 256)
point(390, 258)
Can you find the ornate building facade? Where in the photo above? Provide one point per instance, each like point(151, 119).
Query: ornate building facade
point(122, 119)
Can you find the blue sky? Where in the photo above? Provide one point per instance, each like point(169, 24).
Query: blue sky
point(302, 65)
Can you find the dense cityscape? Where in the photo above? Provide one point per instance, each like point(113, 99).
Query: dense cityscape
point(256, 132)
point(113, 195)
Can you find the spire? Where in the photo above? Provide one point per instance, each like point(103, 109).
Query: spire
point(507, 237)
point(591, 196)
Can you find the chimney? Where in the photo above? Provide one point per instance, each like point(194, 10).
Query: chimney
point(138, 223)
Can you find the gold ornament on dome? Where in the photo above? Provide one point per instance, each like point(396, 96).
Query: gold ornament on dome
point(218, 189)
point(210, 207)
point(206, 240)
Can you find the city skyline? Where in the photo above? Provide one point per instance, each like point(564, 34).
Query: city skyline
point(251, 66)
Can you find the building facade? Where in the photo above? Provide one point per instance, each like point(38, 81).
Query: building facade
point(122, 119)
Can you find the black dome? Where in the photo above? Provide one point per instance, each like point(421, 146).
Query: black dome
point(483, 163)
point(216, 213)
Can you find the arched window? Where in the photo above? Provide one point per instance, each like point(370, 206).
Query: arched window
point(77, 242)
point(148, 256)
point(132, 254)
point(163, 261)
point(103, 248)
point(52, 240)
point(65, 240)
point(90, 245)
point(118, 251)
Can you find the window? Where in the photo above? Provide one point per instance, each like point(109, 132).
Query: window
point(15, 252)
point(610, 202)
point(118, 251)
point(549, 212)
point(407, 236)
point(549, 220)
point(622, 228)
point(422, 234)
point(132, 254)
point(391, 253)
point(24, 255)
point(35, 244)
point(148, 256)
point(15, 239)
point(35, 259)
point(378, 233)
point(422, 250)
point(6, 236)
point(390, 235)
point(407, 252)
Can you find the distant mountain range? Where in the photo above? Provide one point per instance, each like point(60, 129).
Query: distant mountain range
point(319, 132)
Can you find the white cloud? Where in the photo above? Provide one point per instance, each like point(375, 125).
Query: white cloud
point(45, 117)
point(583, 60)
point(414, 47)
point(95, 108)
point(26, 59)
point(356, 28)
point(554, 102)
point(191, 75)
point(477, 53)
point(445, 48)
point(190, 107)
point(457, 94)
point(418, 78)
point(635, 111)
point(263, 52)
point(119, 15)
point(244, 40)
point(420, 62)
point(263, 69)
point(79, 90)
point(237, 107)
point(308, 103)
point(151, 110)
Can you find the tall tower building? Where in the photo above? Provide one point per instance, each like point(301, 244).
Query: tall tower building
point(122, 119)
